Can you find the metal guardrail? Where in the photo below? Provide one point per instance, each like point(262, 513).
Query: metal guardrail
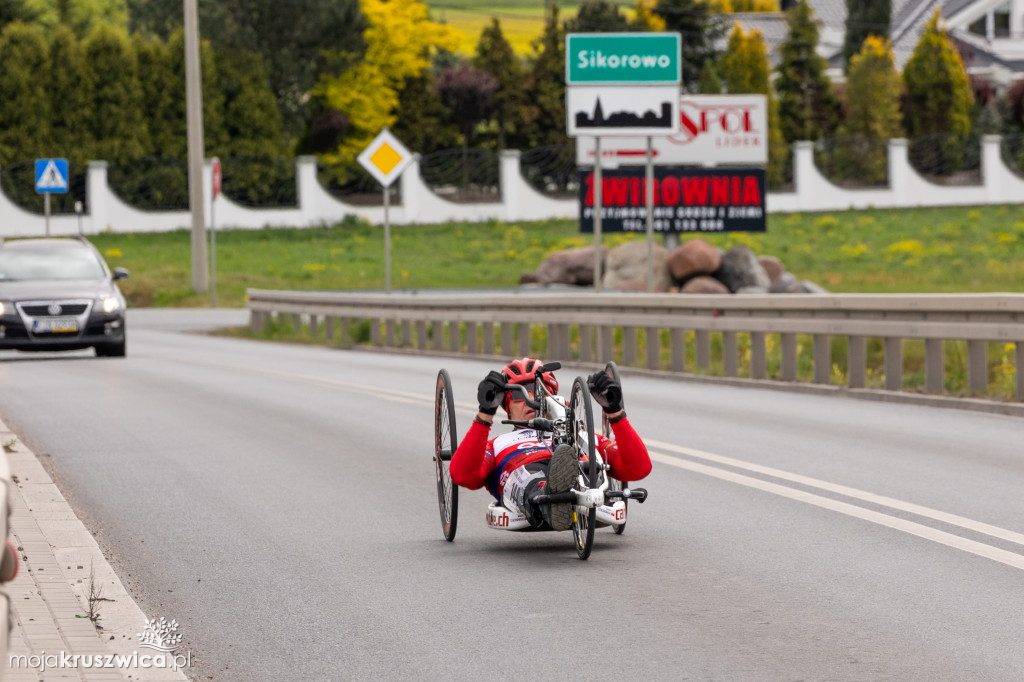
point(450, 322)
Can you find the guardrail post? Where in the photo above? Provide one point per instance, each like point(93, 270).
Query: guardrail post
point(255, 320)
point(488, 338)
point(329, 324)
point(524, 339)
point(389, 333)
point(677, 340)
point(506, 339)
point(758, 355)
point(977, 365)
point(454, 337)
point(437, 330)
point(653, 359)
point(471, 338)
point(297, 322)
point(894, 364)
point(421, 334)
point(375, 331)
point(934, 366)
point(555, 341)
point(314, 326)
point(406, 334)
point(586, 342)
point(789, 359)
point(703, 348)
point(822, 359)
point(605, 343)
point(856, 361)
point(629, 346)
point(730, 353)
point(1018, 368)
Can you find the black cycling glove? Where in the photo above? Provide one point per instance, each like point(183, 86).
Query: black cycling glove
point(491, 392)
point(606, 392)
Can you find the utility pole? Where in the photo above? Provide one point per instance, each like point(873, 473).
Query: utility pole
point(196, 151)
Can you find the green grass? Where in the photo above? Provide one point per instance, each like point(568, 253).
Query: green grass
point(931, 250)
point(522, 21)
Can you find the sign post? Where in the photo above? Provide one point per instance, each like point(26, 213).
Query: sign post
point(643, 72)
point(51, 178)
point(215, 175)
point(386, 159)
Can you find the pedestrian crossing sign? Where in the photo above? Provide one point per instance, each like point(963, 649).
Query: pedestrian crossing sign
point(51, 176)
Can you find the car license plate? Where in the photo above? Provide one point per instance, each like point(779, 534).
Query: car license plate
point(56, 325)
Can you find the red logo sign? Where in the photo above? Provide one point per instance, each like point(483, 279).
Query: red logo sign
point(729, 119)
point(215, 168)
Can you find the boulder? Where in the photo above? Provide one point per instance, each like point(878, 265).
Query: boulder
point(740, 269)
point(528, 278)
point(786, 283)
point(572, 266)
point(811, 288)
point(773, 266)
point(692, 258)
point(703, 284)
point(626, 266)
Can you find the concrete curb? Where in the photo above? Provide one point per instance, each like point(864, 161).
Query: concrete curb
point(49, 596)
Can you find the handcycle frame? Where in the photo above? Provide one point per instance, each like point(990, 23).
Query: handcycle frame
point(598, 500)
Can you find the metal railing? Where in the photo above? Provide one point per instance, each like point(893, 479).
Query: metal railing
point(480, 323)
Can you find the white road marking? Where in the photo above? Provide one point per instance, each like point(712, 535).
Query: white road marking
point(910, 527)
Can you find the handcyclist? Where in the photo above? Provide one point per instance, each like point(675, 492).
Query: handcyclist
point(514, 466)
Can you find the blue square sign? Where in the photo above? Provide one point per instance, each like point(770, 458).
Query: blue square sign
point(51, 176)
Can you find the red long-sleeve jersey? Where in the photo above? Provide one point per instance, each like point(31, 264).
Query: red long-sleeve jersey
point(479, 461)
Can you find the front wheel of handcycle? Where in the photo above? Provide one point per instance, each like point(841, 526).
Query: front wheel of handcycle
point(612, 370)
point(583, 519)
point(444, 446)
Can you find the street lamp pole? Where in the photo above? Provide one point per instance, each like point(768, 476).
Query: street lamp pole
point(196, 152)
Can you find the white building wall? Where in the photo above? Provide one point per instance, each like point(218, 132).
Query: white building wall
point(519, 201)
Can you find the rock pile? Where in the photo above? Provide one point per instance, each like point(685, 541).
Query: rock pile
point(695, 267)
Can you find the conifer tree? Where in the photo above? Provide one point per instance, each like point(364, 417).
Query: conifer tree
point(115, 113)
point(160, 95)
point(424, 123)
point(252, 122)
point(495, 55)
point(809, 108)
point(214, 136)
point(547, 83)
point(70, 87)
point(873, 93)
point(710, 83)
point(16, 10)
point(700, 30)
point(865, 18)
point(939, 90)
point(597, 16)
point(745, 68)
point(25, 102)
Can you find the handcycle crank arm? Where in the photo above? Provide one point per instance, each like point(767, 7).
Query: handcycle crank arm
point(593, 497)
point(638, 494)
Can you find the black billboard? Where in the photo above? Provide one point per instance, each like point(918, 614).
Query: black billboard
point(685, 199)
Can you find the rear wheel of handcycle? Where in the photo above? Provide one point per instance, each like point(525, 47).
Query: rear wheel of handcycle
point(583, 520)
point(444, 446)
point(612, 370)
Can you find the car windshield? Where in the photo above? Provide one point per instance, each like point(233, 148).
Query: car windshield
point(38, 264)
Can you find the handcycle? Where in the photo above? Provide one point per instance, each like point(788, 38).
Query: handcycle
point(598, 499)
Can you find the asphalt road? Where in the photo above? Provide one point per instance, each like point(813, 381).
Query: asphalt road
point(279, 502)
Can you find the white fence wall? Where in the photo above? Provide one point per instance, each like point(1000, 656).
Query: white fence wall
point(519, 201)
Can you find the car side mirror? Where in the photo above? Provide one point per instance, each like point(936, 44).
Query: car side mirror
point(121, 273)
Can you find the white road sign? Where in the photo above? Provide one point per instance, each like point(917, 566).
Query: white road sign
point(385, 158)
point(634, 110)
point(712, 129)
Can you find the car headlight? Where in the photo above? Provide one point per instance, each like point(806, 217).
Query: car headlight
point(1, 308)
point(110, 304)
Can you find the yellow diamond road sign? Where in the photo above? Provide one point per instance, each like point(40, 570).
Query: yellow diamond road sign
point(385, 158)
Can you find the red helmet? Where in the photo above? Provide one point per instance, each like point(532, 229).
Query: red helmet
point(524, 371)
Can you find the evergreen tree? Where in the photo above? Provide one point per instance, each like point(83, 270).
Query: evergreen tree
point(939, 91)
point(809, 108)
point(745, 68)
point(70, 87)
point(424, 123)
point(495, 56)
point(547, 84)
point(214, 135)
point(82, 16)
point(252, 121)
point(873, 93)
point(710, 83)
point(469, 95)
point(597, 16)
point(16, 10)
point(25, 104)
point(865, 18)
point(700, 30)
point(160, 94)
point(115, 113)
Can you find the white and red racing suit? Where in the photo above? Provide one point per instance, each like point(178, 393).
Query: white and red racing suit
point(503, 460)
